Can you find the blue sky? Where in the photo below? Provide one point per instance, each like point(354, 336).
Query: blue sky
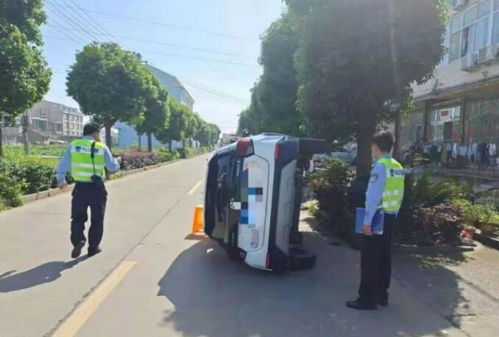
point(212, 46)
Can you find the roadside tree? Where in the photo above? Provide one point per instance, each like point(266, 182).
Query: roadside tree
point(357, 56)
point(24, 75)
point(108, 84)
point(157, 113)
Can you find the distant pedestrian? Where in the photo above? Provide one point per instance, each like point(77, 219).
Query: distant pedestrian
point(384, 194)
point(86, 159)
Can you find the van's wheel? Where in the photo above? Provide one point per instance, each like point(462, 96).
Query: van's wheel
point(234, 255)
point(301, 259)
point(296, 238)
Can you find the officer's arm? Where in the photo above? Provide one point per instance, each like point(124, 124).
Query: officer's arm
point(64, 167)
point(111, 164)
point(374, 193)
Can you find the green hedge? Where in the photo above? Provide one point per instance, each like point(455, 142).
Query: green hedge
point(35, 150)
point(166, 156)
point(329, 185)
point(37, 174)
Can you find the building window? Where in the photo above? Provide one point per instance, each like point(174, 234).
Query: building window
point(470, 16)
point(481, 38)
point(467, 40)
point(470, 30)
point(495, 24)
point(484, 9)
point(456, 23)
point(455, 46)
point(495, 28)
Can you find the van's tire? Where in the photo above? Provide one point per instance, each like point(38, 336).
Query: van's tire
point(234, 254)
point(301, 259)
point(296, 239)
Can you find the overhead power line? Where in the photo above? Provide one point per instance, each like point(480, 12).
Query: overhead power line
point(68, 35)
point(166, 24)
point(77, 19)
point(212, 91)
point(168, 44)
point(168, 54)
point(199, 58)
point(88, 18)
point(62, 14)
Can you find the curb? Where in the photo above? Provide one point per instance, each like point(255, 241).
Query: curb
point(487, 241)
point(411, 249)
point(43, 195)
point(55, 191)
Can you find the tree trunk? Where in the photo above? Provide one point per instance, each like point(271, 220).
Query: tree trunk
point(25, 134)
point(109, 139)
point(183, 144)
point(25, 142)
point(140, 142)
point(1, 139)
point(170, 146)
point(365, 131)
point(396, 146)
point(426, 119)
point(149, 142)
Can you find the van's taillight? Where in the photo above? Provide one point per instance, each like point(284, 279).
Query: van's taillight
point(267, 261)
point(244, 147)
point(276, 152)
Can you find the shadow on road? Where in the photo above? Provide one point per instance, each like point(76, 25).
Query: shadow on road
point(214, 297)
point(426, 275)
point(45, 273)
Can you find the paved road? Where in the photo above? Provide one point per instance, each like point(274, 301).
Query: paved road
point(153, 280)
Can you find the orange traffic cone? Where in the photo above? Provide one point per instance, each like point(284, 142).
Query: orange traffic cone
point(197, 221)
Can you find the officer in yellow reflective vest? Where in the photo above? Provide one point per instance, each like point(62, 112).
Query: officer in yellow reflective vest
point(384, 194)
point(86, 160)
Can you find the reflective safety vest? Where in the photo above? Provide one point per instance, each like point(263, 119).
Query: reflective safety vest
point(82, 168)
point(394, 185)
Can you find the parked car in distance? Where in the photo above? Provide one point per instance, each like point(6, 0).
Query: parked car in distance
point(347, 156)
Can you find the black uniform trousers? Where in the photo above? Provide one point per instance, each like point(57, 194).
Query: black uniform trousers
point(376, 264)
point(87, 195)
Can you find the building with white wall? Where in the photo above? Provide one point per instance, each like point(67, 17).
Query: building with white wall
point(460, 104)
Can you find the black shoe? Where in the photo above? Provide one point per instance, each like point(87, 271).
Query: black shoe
point(93, 252)
point(77, 249)
point(383, 302)
point(359, 304)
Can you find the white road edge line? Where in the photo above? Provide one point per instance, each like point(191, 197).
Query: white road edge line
point(71, 326)
point(193, 190)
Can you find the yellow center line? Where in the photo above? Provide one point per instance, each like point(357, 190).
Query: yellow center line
point(193, 190)
point(75, 321)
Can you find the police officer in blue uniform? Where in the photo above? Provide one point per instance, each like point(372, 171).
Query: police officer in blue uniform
point(384, 194)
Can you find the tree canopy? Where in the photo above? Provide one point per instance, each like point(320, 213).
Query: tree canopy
point(26, 15)
point(177, 123)
point(273, 106)
point(109, 84)
point(357, 56)
point(343, 62)
point(24, 74)
point(157, 113)
point(112, 84)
